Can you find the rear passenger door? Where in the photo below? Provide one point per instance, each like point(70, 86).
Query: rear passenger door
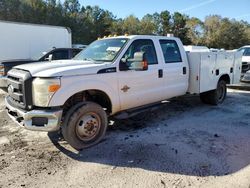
point(175, 71)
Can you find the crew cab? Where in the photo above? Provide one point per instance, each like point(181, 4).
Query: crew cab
point(54, 54)
point(114, 77)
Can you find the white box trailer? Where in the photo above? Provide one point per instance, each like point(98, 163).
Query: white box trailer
point(24, 41)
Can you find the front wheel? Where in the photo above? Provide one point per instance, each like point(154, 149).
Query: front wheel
point(84, 125)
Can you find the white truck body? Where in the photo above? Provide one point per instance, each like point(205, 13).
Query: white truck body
point(206, 67)
point(24, 41)
point(116, 89)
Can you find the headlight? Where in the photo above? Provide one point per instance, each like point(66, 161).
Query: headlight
point(43, 89)
point(1, 70)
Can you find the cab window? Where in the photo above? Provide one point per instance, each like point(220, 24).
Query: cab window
point(142, 45)
point(75, 52)
point(170, 51)
point(62, 54)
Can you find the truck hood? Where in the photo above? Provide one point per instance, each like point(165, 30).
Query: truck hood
point(246, 59)
point(62, 68)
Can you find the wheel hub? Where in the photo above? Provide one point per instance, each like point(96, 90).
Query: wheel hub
point(88, 126)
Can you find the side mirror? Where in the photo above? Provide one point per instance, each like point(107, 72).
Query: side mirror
point(138, 63)
point(49, 58)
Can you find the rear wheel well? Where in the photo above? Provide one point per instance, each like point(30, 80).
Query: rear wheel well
point(226, 78)
point(96, 96)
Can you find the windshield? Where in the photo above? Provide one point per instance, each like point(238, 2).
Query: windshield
point(246, 51)
point(102, 50)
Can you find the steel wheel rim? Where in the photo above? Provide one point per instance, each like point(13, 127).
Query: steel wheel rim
point(88, 126)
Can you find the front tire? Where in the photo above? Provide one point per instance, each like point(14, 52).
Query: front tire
point(85, 125)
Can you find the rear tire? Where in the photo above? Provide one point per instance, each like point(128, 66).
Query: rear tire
point(216, 96)
point(85, 125)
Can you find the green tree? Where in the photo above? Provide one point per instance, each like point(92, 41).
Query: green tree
point(148, 25)
point(131, 25)
point(88, 23)
point(9, 9)
point(165, 25)
point(232, 34)
point(72, 6)
point(212, 25)
point(116, 27)
point(179, 27)
point(195, 30)
point(98, 21)
point(225, 33)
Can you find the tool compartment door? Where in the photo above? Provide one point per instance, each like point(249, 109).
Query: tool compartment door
point(207, 78)
point(237, 67)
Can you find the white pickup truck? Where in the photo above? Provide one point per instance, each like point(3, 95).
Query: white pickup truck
point(114, 77)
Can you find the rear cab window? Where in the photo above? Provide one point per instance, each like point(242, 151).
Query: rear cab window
point(171, 51)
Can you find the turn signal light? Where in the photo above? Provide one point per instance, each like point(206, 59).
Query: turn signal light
point(53, 88)
point(145, 65)
point(1, 70)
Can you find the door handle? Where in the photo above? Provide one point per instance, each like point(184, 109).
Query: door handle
point(184, 70)
point(160, 73)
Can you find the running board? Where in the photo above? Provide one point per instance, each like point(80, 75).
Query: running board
point(132, 112)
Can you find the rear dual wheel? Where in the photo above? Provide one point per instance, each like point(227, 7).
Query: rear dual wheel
point(216, 96)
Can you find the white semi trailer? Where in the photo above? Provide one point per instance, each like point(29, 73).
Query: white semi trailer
point(24, 41)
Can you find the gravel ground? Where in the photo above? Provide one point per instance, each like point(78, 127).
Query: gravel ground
point(182, 144)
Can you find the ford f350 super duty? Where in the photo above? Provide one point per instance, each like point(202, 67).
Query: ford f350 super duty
point(114, 77)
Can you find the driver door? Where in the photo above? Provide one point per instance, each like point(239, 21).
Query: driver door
point(138, 88)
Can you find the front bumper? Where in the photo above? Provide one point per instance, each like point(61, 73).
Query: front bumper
point(35, 120)
point(3, 82)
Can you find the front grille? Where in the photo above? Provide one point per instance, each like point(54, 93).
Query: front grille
point(20, 88)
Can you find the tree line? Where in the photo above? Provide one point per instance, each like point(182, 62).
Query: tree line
point(90, 22)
